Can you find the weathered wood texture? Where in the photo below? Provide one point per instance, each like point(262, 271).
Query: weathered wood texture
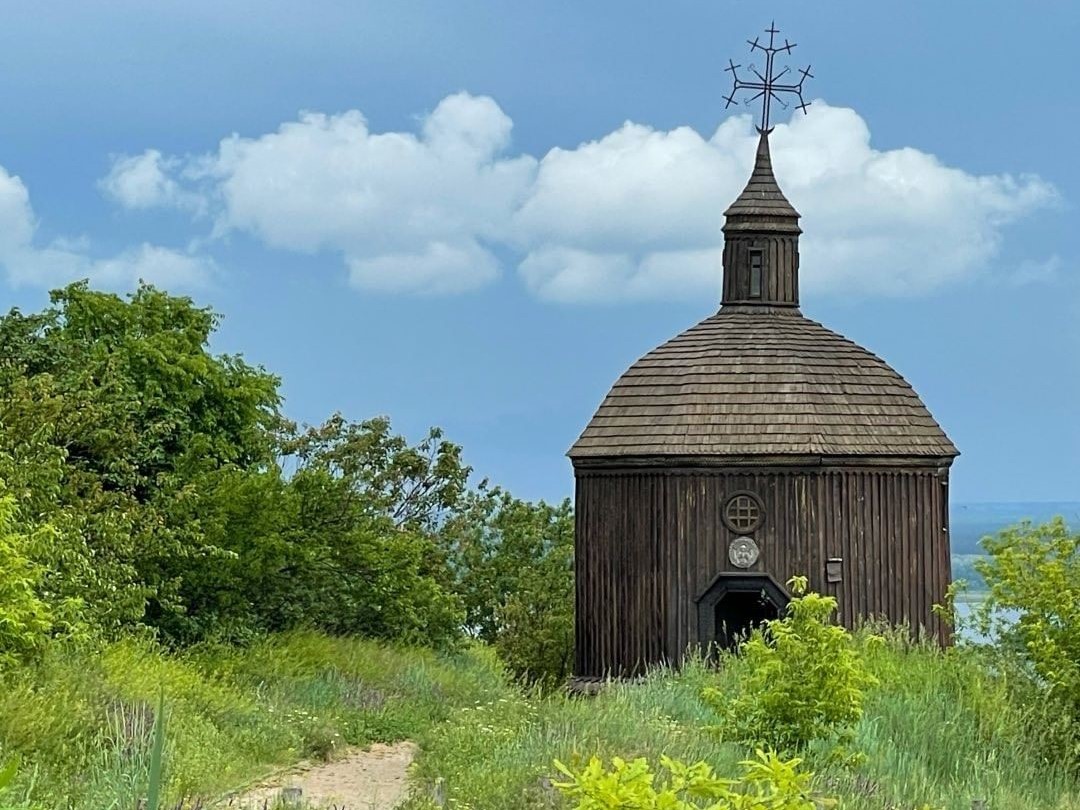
point(761, 381)
point(649, 541)
point(780, 277)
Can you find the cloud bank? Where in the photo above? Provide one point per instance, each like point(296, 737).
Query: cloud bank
point(63, 261)
point(635, 214)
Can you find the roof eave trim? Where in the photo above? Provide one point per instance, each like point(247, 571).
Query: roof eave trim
point(640, 462)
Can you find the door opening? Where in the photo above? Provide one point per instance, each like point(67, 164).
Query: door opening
point(738, 613)
point(733, 605)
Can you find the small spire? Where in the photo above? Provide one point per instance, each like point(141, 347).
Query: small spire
point(761, 242)
point(762, 201)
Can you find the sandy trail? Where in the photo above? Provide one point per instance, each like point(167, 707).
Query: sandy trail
point(374, 778)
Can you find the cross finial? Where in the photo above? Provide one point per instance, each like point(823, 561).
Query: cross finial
point(767, 84)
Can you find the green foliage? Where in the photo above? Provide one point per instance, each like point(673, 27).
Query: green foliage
point(156, 467)
point(176, 497)
point(1035, 571)
point(26, 620)
point(345, 544)
point(8, 771)
point(940, 729)
point(514, 569)
point(367, 507)
point(1033, 610)
point(768, 783)
point(536, 622)
point(409, 487)
point(112, 412)
point(800, 679)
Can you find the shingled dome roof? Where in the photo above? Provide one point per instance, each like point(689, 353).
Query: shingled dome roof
point(758, 378)
point(748, 382)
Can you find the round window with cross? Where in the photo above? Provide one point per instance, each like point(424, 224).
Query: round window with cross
point(743, 512)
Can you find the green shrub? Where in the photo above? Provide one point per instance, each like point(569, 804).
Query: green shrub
point(1035, 572)
point(1032, 617)
point(536, 623)
point(798, 679)
point(26, 620)
point(768, 783)
point(514, 566)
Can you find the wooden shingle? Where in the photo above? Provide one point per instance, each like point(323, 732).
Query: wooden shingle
point(763, 382)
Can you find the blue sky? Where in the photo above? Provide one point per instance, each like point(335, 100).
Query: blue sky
point(438, 211)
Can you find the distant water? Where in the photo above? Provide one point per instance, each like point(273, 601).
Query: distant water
point(970, 522)
point(963, 616)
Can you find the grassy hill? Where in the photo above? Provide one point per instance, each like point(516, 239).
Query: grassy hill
point(939, 730)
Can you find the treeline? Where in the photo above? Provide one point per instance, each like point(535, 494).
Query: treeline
point(148, 484)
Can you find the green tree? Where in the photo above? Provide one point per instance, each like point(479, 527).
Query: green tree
point(513, 565)
point(366, 469)
point(368, 506)
point(122, 411)
point(1033, 607)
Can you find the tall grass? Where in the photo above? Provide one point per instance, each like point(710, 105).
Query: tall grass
point(940, 730)
point(83, 722)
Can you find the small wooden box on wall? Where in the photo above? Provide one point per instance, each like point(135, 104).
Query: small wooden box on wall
point(834, 567)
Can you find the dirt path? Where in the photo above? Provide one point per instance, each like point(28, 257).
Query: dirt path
point(374, 778)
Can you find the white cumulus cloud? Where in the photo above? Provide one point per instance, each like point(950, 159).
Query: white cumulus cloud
point(409, 213)
point(635, 214)
point(66, 260)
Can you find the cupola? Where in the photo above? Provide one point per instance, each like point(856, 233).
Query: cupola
point(761, 241)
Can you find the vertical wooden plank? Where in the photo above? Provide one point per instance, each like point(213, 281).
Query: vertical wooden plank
point(855, 567)
point(846, 549)
point(910, 580)
point(583, 567)
point(669, 543)
point(880, 545)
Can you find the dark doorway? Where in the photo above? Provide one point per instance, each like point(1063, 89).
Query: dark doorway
point(738, 613)
point(734, 604)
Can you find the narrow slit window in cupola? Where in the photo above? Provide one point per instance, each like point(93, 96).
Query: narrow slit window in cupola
point(756, 261)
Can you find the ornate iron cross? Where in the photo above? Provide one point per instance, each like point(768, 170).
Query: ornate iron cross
point(768, 85)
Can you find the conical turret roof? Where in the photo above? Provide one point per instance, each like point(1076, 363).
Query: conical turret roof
point(762, 197)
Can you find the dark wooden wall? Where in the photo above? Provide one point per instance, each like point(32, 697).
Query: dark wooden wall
point(649, 541)
point(780, 271)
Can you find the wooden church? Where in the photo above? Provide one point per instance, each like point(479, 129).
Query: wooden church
point(755, 446)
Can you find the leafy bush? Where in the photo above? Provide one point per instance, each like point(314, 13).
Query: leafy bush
point(1035, 571)
point(798, 679)
point(1033, 609)
point(536, 623)
point(769, 783)
point(26, 620)
point(514, 568)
